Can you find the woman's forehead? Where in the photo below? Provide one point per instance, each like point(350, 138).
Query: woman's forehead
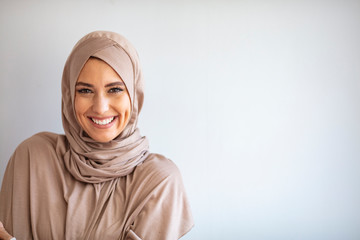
point(98, 72)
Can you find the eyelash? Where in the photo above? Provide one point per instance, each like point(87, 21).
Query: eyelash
point(88, 91)
point(84, 91)
point(115, 90)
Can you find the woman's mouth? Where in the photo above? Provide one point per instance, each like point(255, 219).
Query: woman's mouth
point(102, 122)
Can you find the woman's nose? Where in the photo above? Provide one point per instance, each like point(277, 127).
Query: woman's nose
point(100, 104)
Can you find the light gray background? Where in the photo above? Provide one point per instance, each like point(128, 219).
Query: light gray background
point(257, 102)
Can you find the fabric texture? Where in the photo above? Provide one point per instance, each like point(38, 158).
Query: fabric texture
point(72, 187)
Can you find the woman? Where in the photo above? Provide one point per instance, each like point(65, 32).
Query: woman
point(98, 181)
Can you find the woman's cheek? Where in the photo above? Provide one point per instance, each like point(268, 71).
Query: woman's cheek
point(81, 105)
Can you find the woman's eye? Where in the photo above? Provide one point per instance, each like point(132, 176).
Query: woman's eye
point(115, 90)
point(84, 90)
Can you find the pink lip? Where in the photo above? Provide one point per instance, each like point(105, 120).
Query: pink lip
point(109, 125)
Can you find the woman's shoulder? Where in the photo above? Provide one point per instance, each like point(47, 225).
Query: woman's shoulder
point(40, 141)
point(37, 151)
point(47, 138)
point(158, 166)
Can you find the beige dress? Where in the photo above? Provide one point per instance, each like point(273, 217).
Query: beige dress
point(41, 200)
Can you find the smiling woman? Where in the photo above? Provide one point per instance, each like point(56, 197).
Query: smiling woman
point(102, 102)
point(99, 180)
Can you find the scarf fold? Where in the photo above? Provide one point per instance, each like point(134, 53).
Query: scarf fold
point(87, 160)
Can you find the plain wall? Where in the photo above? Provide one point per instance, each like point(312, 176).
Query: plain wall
point(257, 102)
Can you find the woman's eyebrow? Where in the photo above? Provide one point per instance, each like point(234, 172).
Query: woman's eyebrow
point(107, 85)
point(115, 84)
point(84, 84)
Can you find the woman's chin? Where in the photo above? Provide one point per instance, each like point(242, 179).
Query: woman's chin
point(103, 139)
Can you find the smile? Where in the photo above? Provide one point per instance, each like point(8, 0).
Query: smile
point(102, 121)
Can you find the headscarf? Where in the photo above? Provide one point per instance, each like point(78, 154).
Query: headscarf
point(87, 160)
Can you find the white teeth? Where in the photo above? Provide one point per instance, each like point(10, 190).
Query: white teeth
point(102, 122)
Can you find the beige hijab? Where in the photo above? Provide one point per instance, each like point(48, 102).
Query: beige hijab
point(87, 160)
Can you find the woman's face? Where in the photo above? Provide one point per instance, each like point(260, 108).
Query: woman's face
point(102, 103)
